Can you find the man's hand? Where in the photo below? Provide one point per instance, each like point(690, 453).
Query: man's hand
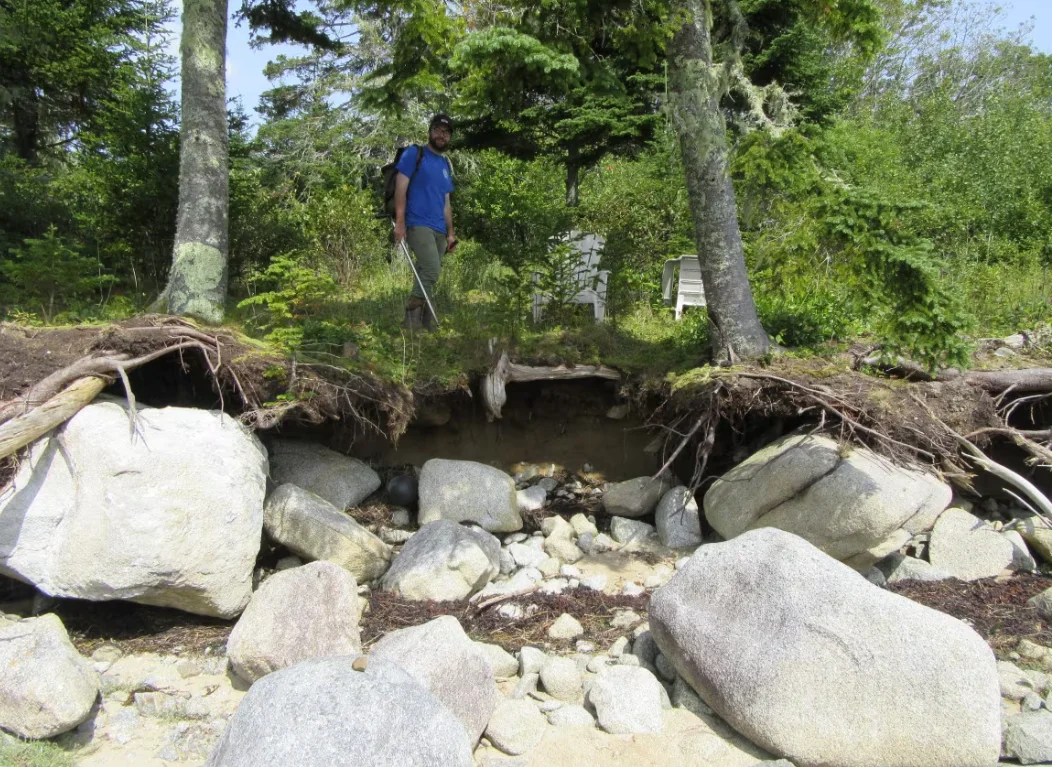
point(399, 231)
point(451, 242)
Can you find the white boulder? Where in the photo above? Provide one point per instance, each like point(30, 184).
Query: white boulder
point(169, 516)
point(440, 656)
point(339, 479)
point(306, 612)
point(466, 491)
point(444, 561)
point(627, 700)
point(312, 527)
point(809, 660)
point(846, 501)
point(46, 686)
point(323, 712)
point(965, 547)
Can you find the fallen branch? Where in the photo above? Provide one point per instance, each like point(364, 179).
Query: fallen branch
point(86, 375)
point(25, 429)
point(1039, 500)
point(493, 384)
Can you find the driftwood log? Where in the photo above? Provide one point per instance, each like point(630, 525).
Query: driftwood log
point(492, 386)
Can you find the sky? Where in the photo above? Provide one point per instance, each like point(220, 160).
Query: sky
point(245, 65)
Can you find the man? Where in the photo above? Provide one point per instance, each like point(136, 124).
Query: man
point(424, 216)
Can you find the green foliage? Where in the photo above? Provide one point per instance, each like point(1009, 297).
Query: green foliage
point(48, 275)
point(17, 753)
point(293, 297)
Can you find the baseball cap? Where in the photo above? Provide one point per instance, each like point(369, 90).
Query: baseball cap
point(441, 120)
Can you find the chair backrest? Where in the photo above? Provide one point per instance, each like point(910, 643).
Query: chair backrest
point(590, 246)
point(689, 269)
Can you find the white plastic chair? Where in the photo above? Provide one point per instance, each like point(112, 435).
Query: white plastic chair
point(691, 291)
point(591, 282)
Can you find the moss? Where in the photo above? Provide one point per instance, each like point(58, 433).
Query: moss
point(17, 753)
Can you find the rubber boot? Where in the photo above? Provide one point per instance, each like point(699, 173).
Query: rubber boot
point(414, 313)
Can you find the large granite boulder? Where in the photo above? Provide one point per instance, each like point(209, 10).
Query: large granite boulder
point(635, 497)
point(444, 561)
point(306, 612)
point(46, 687)
point(323, 712)
point(847, 501)
point(466, 491)
point(312, 527)
point(339, 479)
point(810, 661)
point(440, 656)
point(169, 516)
point(964, 546)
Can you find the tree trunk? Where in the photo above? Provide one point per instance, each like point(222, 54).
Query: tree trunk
point(573, 169)
point(198, 281)
point(694, 92)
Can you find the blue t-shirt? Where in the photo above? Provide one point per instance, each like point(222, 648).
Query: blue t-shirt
point(426, 200)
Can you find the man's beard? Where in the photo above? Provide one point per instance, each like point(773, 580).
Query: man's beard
point(440, 150)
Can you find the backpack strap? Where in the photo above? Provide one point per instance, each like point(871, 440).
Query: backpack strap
point(416, 168)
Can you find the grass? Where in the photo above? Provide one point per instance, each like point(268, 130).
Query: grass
point(18, 753)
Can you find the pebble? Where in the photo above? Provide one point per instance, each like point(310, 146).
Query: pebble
point(569, 571)
point(526, 686)
point(631, 589)
point(584, 646)
point(515, 538)
point(565, 627)
point(531, 660)
point(619, 647)
point(187, 669)
point(554, 586)
point(288, 563)
point(594, 582)
point(548, 484)
point(400, 517)
point(624, 619)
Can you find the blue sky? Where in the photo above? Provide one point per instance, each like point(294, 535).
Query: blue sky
point(245, 65)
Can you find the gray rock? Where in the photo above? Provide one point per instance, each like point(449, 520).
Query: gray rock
point(516, 726)
point(565, 627)
point(627, 701)
point(645, 648)
point(626, 531)
point(547, 484)
point(503, 663)
point(1031, 702)
point(394, 537)
point(563, 548)
point(531, 661)
point(619, 412)
point(466, 491)
point(684, 696)
point(1014, 683)
point(444, 561)
point(171, 517)
point(532, 498)
point(507, 562)
point(1043, 604)
point(1028, 737)
point(550, 566)
point(315, 529)
point(526, 555)
point(825, 652)
point(968, 548)
point(597, 544)
point(188, 669)
point(571, 716)
point(440, 656)
point(664, 668)
point(1022, 559)
point(556, 525)
point(339, 479)
point(308, 612)
point(898, 567)
point(848, 505)
point(190, 741)
point(288, 563)
point(677, 519)
point(561, 679)
point(46, 686)
point(625, 619)
point(527, 686)
point(401, 517)
point(322, 712)
point(582, 524)
point(635, 497)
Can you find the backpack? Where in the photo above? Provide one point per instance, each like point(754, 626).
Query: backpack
point(389, 173)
